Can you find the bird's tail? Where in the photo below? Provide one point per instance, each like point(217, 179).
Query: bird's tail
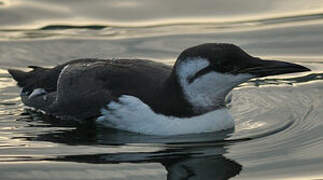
point(23, 77)
point(20, 76)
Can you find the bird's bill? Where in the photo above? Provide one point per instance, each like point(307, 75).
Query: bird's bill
point(261, 68)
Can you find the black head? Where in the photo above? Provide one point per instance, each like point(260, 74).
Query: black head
point(230, 59)
point(222, 57)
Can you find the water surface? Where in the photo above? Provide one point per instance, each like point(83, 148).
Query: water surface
point(279, 127)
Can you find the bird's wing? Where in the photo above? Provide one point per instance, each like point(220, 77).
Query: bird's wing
point(80, 93)
point(80, 88)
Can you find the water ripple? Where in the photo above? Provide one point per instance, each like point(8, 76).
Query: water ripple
point(155, 28)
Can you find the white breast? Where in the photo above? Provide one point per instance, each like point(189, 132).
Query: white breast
point(131, 114)
point(208, 91)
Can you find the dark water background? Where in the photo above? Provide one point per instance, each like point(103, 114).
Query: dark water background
point(279, 120)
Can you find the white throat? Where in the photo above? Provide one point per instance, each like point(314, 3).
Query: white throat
point(207, 92)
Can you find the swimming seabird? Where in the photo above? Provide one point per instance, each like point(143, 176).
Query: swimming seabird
point(145, 96)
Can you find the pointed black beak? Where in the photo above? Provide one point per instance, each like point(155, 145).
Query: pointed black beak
point(261, 68)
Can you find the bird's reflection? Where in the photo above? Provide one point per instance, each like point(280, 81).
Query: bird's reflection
point(184, 157)
point(180, 164)
point(206, 168)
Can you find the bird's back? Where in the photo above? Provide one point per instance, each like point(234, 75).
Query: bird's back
point(79, 88)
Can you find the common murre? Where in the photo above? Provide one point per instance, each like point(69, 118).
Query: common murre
point(145, 96)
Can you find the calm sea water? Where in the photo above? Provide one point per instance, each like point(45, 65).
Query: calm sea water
point(279, 120)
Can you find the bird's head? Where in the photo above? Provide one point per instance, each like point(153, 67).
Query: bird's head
point(208, 72)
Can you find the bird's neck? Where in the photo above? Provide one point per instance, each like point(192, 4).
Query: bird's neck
point(207, 93)
point(170, 100)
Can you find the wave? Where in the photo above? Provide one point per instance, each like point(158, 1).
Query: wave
point(158, 27)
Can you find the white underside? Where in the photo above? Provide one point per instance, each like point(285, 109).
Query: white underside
point(131, 114)
point(37, 92)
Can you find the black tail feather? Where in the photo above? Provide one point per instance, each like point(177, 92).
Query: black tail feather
point(20, 76)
